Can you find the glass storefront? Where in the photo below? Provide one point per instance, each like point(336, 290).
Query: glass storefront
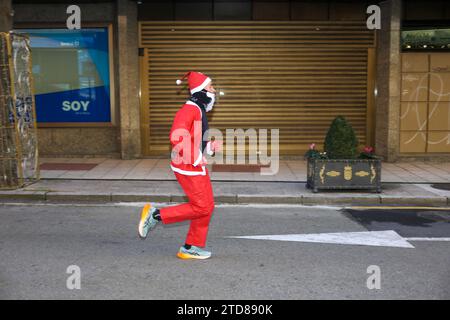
point(425, 39)
point(71, 71)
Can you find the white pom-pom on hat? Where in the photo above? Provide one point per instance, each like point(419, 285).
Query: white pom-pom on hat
point(180, 81)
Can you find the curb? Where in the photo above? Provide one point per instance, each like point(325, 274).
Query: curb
point(341, 200)
point(6, 196)
point(269, 199)
point(139, 198)
point(421, 201)
point(68, 197)
point(75, 196)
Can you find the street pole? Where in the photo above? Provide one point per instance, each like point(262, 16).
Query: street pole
point(5, 15)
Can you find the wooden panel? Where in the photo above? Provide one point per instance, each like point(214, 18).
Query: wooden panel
point(440, 62)
point(413, 116)
point(295, 76)
point(425, 107)
point(412, 141)
point(439, 116)
point(414, 87)
point(439, 141)
point(414, 62)
point(439, 86)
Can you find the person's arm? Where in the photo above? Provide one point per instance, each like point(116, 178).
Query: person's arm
point(183, 122)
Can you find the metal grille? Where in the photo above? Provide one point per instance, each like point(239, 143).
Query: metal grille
point(18, 136)
point(295, 76)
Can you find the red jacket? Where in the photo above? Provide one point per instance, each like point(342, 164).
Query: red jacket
point(186, 139)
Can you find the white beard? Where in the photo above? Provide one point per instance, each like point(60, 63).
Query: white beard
point(210, 105)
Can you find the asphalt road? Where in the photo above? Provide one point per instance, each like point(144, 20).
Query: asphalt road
point(39, 242)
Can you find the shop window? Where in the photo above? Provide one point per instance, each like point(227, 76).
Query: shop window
point(71, 70)
point(425, 40)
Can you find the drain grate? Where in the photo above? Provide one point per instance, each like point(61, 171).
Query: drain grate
point(441, 186)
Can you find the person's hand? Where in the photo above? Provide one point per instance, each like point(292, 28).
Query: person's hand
point(216, 145)
point(213, 147)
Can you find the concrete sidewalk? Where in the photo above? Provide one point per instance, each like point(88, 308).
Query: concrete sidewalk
point(151, 180)
point(289, 170)
point(242, 192)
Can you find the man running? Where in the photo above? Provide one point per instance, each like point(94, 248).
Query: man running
point(189, 166)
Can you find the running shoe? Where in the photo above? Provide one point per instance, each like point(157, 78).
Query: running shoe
point(193, 253)
point(147, 221)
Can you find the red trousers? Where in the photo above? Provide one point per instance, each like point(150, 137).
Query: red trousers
point(199, 209)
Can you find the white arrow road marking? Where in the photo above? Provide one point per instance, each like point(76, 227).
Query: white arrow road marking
point(387, 238)
point(428, 239)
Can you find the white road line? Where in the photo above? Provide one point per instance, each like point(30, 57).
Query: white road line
point(428, 239)
point(388, 238)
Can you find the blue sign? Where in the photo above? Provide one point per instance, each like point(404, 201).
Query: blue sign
point(71, 74)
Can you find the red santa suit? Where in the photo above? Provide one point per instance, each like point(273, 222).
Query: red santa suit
point(189, 167)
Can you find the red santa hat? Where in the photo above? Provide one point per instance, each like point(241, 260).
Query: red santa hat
point(197, 81)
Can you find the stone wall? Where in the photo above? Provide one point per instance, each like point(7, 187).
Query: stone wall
point(5, 15)
point(127, 70)
point(78, 142)
point(388, 81)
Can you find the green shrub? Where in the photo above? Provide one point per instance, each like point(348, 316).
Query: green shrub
point(341, 141)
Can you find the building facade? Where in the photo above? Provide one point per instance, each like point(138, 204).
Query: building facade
point(109, 89)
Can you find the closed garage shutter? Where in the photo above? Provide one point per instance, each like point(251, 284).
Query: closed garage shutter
point(294, 76)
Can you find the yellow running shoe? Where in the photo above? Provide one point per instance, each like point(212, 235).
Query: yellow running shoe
point(193, 253)
point(147, 221)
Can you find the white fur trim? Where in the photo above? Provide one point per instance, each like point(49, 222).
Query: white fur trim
point(199, 158)
point(189, 173)
point(202, 86)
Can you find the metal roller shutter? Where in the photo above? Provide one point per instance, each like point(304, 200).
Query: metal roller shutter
point(295, 76)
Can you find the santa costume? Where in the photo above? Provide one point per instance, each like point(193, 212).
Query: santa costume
point(189, 166)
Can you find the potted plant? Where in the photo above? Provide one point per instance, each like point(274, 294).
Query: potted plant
point(340, 166)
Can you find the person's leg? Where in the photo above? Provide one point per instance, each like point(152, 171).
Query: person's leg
point(197, 189)
point(150, 215)
point(198, 230)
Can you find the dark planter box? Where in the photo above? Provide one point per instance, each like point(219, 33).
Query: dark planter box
point(344, 174)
